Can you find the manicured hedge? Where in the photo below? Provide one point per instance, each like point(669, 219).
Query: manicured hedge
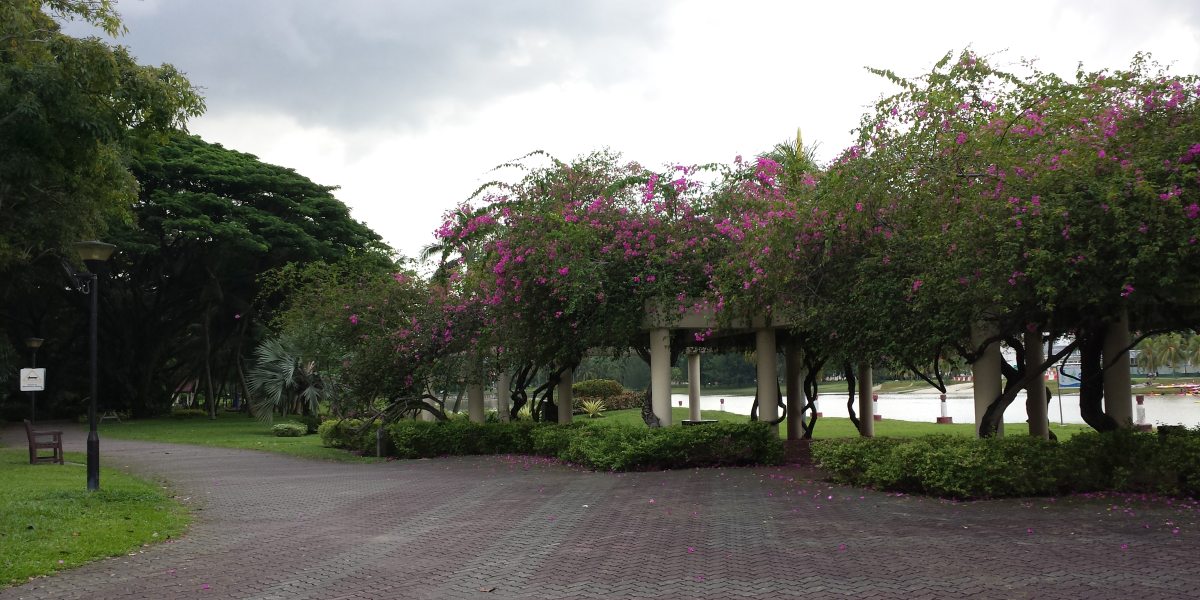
point(620, 448)
point(597, 388)
point(619, 401)
point(642, 448)
point(289, 429)
point(351, 434)
point(1018, 465)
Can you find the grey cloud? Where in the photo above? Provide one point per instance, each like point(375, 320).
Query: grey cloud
point(378, 63)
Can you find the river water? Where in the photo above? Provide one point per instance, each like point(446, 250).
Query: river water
point(924, 406)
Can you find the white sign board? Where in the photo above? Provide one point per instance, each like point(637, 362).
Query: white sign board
point(33, 380)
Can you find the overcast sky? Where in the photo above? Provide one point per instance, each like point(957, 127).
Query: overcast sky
point(406, 105)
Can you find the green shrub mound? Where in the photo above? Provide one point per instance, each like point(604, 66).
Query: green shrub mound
point(597, 388)
point(958, 467)
point(350, 434)
point(614, 448)
point(622, 401)
point(614, 396)
point(640, 448)
point(289, 429)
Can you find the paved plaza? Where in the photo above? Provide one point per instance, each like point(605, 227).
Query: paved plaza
point(274, 527)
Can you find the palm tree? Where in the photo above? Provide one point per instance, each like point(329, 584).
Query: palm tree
point(1192, 351)
point(281, 381)
point(1148, 358)
point(1171, 350)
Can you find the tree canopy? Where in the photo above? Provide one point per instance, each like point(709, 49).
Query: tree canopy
point(70, 110)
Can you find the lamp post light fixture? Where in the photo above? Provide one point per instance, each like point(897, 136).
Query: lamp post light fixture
point(33, 344)
point(94, 254)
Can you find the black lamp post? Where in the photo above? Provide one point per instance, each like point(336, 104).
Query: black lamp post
point(94, 254)
point(33, 344)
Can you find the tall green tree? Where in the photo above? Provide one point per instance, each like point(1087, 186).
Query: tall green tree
point(69, 110)
point(210, 222)
point(183, 302)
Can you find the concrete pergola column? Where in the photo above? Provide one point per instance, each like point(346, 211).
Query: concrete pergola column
point(793, 372)
point(1118, 390)
point(503, 383)
point(660, 374)
point(693, 363)
point(985, 373)
point(768, 374)
point(566, 398)
point(475, 402)
point(1035, 392)
point(866, 404)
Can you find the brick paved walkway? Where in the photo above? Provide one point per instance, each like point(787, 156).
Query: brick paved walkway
point(273, 527)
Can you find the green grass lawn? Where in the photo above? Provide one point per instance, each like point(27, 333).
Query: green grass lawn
point(833, 427)
point(50, 522)
point(229, 430)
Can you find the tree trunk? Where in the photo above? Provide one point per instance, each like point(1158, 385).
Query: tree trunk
point(1015, 380)
point(812, 366)
point(519, 396)
point(1091, 380)
point(989, 424)
point(208, 382)
point(458, 399)
point(851, 387)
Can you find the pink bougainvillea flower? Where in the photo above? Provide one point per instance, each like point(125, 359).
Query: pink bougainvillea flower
point(692, 550)
point(354, 319)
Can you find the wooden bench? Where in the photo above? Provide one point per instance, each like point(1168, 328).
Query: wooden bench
point(38, 442)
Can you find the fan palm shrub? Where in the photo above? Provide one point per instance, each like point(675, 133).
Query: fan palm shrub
point(283, 382)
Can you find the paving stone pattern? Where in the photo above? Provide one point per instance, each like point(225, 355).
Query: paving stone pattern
point(272, 527)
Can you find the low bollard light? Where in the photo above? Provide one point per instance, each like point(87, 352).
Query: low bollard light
point(875, 407)
point(945, 418)
point(1141, 424)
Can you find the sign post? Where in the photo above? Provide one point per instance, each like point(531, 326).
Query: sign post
point(33, 381)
